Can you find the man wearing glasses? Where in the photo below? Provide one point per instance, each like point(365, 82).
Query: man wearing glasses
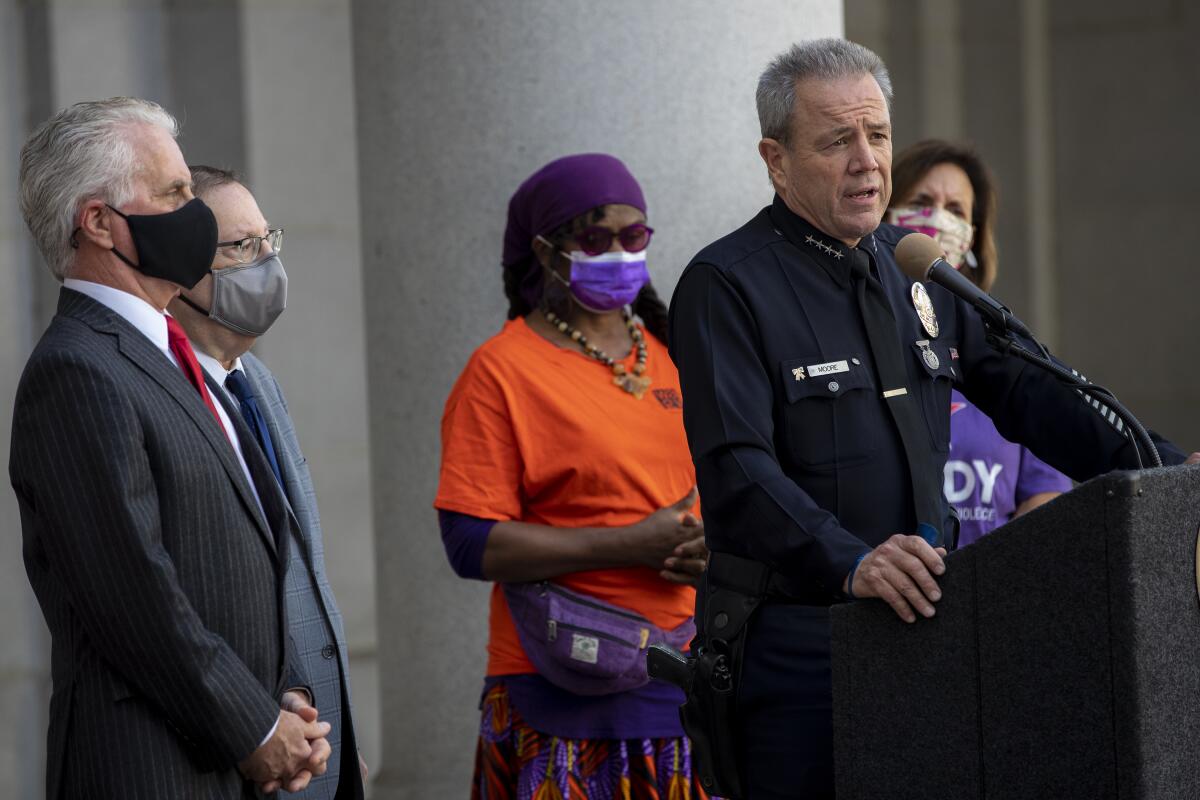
point(223, 315)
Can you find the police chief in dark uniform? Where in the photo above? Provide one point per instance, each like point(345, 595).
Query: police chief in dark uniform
point(816, 381)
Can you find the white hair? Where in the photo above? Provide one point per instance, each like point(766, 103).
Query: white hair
point(82, 153)
point(817, 58)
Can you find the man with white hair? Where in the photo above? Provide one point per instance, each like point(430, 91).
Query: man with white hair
point(816, 397)
point(154, 539)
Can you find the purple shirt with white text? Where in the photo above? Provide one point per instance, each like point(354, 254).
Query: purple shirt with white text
point(987, 476)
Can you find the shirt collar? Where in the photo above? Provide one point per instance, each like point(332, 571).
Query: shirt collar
point(149, 321)
point(833, 255)
point(214, 368)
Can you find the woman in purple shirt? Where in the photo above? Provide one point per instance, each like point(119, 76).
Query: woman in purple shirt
point(944, 190)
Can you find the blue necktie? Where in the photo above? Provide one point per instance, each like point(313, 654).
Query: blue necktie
point(236, 382)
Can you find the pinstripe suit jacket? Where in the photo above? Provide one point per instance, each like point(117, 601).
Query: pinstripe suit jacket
point(313, 615)
point(157, 573)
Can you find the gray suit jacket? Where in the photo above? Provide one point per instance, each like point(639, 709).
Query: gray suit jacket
point(316, 622)
point(158, 575)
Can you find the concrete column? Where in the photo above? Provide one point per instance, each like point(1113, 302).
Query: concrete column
point(108, 47)
point(24, 659)
point(1095, 210)
point(940, 56)
point(920, 42)
point(266, 88)
point(301, 160)
point(1125, 206)
point(1038, 144)
point(960, 72)
point(996, 108)
point(206, 79)
point(892, 28)
point(458, 102)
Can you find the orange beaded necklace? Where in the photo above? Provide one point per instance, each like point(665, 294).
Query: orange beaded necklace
point(637, 383)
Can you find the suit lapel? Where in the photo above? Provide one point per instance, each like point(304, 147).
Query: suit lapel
point(294, 488)
point(286, 459)
point(279, 507)
point(274, 505)
point(158, 367)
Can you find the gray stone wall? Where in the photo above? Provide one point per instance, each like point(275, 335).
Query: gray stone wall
point(1083, 110)
point(267, 88)
point(24, 659)
point(1125, 206)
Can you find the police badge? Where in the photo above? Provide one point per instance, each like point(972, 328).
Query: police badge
point(924, 307)
point(931, 359)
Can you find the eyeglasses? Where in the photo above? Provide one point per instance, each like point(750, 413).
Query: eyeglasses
point(595, 239)
point(246, 250)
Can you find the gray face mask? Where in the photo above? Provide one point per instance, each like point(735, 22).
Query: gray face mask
point(247, 298)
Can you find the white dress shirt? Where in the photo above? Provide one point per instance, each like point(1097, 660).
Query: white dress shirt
point(152, 324)
point(218, 373)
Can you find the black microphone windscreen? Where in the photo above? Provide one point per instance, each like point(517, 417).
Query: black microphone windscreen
point(915, 253)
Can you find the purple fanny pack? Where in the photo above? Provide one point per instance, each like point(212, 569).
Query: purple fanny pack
point(582, 644)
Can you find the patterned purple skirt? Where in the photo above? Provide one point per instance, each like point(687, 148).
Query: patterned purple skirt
point(515, 762)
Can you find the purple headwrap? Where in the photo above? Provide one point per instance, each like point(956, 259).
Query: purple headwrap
point(556, 193)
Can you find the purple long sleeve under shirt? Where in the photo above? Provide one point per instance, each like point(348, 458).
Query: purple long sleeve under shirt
point(465, 538)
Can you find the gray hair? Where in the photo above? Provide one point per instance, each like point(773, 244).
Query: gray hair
point(818, 58)
point(206, 178)
point(82, 153)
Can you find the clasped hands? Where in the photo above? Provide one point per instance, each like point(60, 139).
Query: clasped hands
point(671, 540)
point(296, 752)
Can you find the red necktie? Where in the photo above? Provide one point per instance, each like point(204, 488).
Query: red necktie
point(178, 342)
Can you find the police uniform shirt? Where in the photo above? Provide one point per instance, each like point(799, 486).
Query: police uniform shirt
point(799, 463)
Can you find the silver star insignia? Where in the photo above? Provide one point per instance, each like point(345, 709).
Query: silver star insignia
point(828, 250)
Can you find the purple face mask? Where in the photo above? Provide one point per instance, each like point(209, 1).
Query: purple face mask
point(608, 281)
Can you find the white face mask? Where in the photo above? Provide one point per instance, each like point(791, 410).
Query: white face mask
point(953, 233)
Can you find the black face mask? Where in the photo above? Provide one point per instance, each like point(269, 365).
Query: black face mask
point(178, 246)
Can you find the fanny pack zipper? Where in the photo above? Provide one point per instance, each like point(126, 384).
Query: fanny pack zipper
point(574, 598)
point(552, 633)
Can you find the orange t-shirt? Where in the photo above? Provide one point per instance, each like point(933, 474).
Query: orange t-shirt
point(538, 433)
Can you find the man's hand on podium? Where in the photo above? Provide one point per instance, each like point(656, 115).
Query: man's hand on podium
point(1194, 458)
point(900, 572)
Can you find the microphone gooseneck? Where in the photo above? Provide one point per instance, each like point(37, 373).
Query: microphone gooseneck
point(920, 258)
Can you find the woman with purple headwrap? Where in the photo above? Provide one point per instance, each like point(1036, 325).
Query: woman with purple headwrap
point(566, 480)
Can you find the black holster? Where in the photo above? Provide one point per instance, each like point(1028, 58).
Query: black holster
point(733, 589)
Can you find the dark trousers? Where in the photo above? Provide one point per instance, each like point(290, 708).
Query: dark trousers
point(785, 705)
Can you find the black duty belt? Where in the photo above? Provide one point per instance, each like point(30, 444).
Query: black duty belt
point(755, 579)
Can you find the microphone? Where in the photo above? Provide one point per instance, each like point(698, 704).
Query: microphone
point(920, 258)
